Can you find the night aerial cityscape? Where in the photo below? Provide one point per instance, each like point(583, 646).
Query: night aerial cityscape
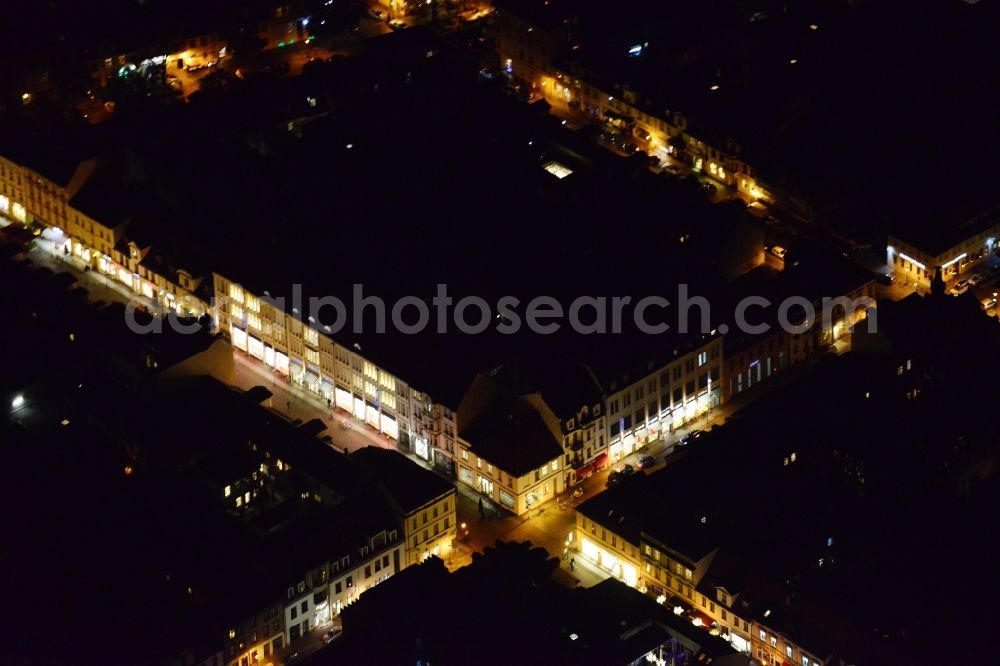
point(463, 332)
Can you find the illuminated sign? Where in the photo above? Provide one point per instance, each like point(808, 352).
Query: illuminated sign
point(910, 259)
point(949, 263)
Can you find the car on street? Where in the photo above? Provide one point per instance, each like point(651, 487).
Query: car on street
point(687, 439)
point(377, 14)
point(887, 279)
point(627, 470)
point(708, 188)
point(646, 462)
point(779, 251)
point(332, 635)
point(960, 286)
point(614, 478)
point(396, 24)
point(976, 279)
point(577, 492)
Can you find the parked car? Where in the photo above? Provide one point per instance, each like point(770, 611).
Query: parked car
point(627, 470)
point(377, 14)
point(708, 188)
point(960, 286)
point(396, 24)
point(614, 479)
point(779, 251)
point(977, 279)
point(577, 492)
point(687, 439)
point(332, 635)
point(646, 462)
point(886, 279)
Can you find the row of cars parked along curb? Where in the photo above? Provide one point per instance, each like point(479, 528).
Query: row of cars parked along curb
point(647, 461)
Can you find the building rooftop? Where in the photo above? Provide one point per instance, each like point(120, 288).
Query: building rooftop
point(516, 432)
point(608, 623)
point(777, 82)
point(409, 485)
point(948, 228)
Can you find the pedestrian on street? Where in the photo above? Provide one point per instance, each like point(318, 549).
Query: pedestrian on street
point(572, 564)
point(481, 512)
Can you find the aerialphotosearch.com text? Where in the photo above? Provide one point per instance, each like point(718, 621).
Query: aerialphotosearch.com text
point(544, 315)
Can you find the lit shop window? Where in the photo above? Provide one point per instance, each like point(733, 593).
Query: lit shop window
point(371, 372)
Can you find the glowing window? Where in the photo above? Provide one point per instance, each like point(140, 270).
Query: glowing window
point(558, 170)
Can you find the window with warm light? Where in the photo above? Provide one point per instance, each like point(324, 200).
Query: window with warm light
point(558, 170)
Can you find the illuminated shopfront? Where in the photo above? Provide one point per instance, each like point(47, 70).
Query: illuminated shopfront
point(619, 568)
point(615, 451)
point(239, 338)
point(390, 427)
point(344, 399)
point(371, 415)
point(326, 389)
point(124, 276)
point(255, 347)
point(323, 613)
point(281, 363)
point(739, 643)
point(421, 449)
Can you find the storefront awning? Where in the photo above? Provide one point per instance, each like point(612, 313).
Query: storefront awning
point(584, 471)
point(600, 461)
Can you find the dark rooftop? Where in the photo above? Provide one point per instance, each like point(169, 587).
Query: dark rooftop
point(408, 484)
point(516, 432)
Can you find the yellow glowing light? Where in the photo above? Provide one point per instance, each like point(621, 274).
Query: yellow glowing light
point(128, 470)
point(813, 26)
point(714, 87)
point(793, 61)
